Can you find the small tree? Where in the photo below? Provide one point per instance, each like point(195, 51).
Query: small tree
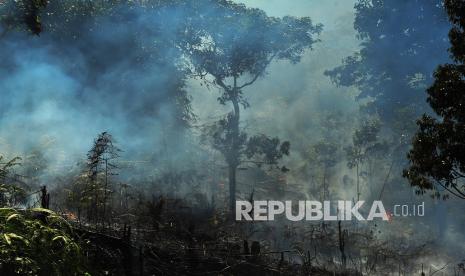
point(10, 192)
point(364, 148)
point(101, 166)
point(326, 158)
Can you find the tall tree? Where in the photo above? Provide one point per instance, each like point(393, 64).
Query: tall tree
point(437, 159)
point(231, 49)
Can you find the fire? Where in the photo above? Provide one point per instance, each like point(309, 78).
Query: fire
point(70, 215)
point(390, 216)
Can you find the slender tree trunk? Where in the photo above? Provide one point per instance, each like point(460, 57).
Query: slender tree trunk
point(105, 194)
point(358, 184)
point(95, 191)
point(370, 183)
point(325, 188)
point(79, 216)
point(96, 208)
point(342, 245)
point(233, 158)
point(232, 188)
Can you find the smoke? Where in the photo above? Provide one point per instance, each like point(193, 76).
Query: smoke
point(60, 90)
point(63, 88)
point(293, 100)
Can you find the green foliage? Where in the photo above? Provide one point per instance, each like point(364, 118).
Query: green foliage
point(103, 152)
point(95, 194)
point(437, 159)
point(325, 153)
point(38, 242)
point(6, 166)
point(10, 192)
point(258, 149)
point(268, 149)
point(225, 139)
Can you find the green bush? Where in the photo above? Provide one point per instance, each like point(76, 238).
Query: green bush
point(38, 242)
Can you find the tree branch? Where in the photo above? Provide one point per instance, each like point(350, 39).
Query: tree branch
point(220, 82)
point(458, 173)
point(259, 73)
point(459, 195)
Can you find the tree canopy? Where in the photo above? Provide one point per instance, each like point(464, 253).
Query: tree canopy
point(401, 43)
point(437, 159)
point(227, 41)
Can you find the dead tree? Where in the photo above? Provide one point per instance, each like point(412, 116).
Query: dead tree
point(342, 243)
point(100, 161)
point(44, 198)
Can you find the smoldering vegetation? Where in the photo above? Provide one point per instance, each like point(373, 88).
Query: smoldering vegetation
point(128, 113)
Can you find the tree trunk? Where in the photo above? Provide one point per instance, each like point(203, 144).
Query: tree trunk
point(232, 188)
point(342, 245)
point(233, 158)
point(358, 184)
point(105, 194)
point(325, 187)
